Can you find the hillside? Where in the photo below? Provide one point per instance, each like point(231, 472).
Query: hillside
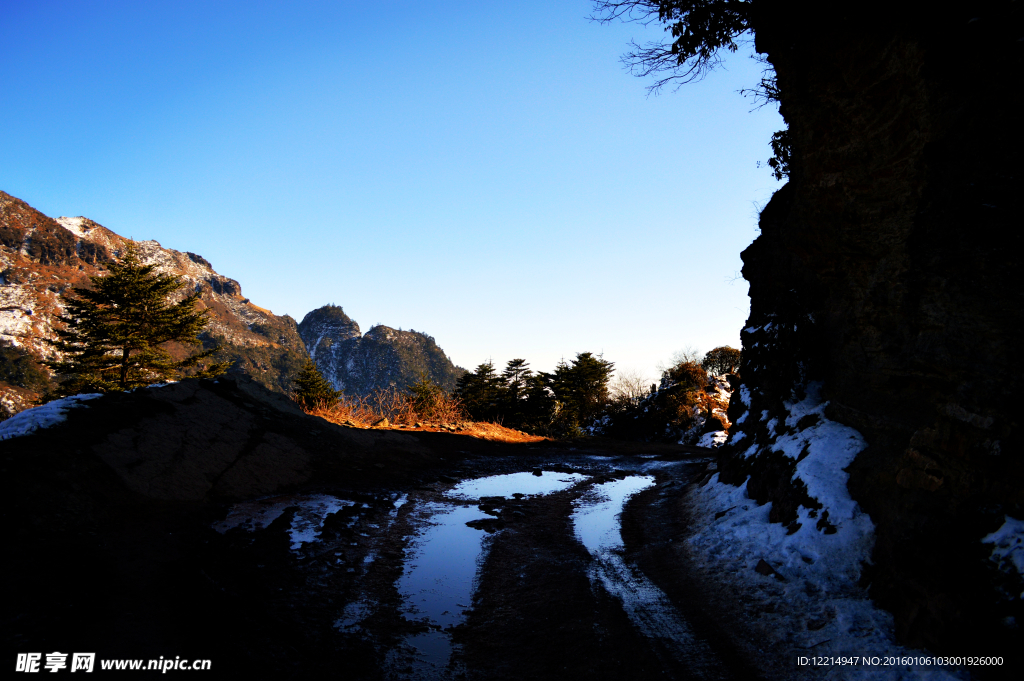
point(359, 364)
point(40, 257)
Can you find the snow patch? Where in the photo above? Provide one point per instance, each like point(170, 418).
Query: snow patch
point(312, 511)
point(74, 225)
point(827, 448)
point(44, 416)
point(1008, 549)
point(715, 439)
point(814, 604)
point(810, 599)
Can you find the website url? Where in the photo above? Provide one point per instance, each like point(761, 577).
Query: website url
point(161, 665)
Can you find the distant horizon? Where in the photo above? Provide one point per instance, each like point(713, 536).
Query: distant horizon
point(493, 179)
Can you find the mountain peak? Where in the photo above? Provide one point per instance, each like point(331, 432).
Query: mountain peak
point(384, 357)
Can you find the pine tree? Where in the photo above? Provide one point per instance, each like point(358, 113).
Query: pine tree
point(515, 380)
point(516, 376)
point(480, 392)
point(116, 332)
point(313, 390)
point(582, 387)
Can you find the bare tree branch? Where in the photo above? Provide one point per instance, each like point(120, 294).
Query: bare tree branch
point(700, 30)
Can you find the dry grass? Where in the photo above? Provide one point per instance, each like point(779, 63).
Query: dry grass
point(497, 433)
point(393, 410)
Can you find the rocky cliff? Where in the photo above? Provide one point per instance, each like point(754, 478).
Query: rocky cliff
point(40, 257)
point(360, 364)
point(885, 285)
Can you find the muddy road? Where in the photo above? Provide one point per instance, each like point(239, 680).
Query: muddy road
point(216, 521)
point(557, 565)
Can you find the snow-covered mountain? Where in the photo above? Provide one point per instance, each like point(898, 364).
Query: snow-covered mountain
point(40, 257)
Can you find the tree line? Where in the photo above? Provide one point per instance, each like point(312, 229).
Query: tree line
point(577, 393)
point(557, 403)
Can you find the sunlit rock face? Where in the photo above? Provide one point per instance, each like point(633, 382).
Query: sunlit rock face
point(41, 257)
point(879, 279)
point(382, 358)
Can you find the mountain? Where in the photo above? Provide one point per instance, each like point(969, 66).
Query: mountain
point(40, 257)
point(359, 364)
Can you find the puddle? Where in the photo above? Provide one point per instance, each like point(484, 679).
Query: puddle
point(525, 484)
point(596, 518)
point(307, 522)
point(437, 585)
point(596, 521)
point(441, 566)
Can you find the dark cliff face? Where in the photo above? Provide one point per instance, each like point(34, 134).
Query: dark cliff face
point(384, 357)
point(888, 269)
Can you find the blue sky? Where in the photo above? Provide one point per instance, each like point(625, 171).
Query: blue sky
point(485, 172)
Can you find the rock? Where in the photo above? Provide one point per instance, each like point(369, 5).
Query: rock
point(381, 359)
point(381, 423)
point(871, 276)
point(767, 570)
point(197, 440)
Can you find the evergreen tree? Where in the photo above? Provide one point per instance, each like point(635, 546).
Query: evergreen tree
point(514, 382)
point(538, 408)
point(582, 388)
point(481, 392)
point(116, 333)
point(313, 390)
point(515, 377)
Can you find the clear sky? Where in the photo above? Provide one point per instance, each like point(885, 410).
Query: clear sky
point(484, 171)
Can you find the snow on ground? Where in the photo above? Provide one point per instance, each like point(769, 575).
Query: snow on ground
point(311, 513)
point(43, 416)
point(74, 225)
point(829, 447)
point(809, 603)
point(1008, 549)
point(714, 439)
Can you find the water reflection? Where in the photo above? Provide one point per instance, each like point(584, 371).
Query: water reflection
point(597, 524)
point(311, 511)
point(442, 563)
point(508, 486)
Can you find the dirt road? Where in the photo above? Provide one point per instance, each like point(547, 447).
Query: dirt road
point(434, 583)
point(394, 568)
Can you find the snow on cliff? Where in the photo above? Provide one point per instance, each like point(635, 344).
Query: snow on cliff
point(801, 582)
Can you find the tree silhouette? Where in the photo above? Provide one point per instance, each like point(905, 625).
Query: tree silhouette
point(582, 387)
point(700, 30)
point(721, 360)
